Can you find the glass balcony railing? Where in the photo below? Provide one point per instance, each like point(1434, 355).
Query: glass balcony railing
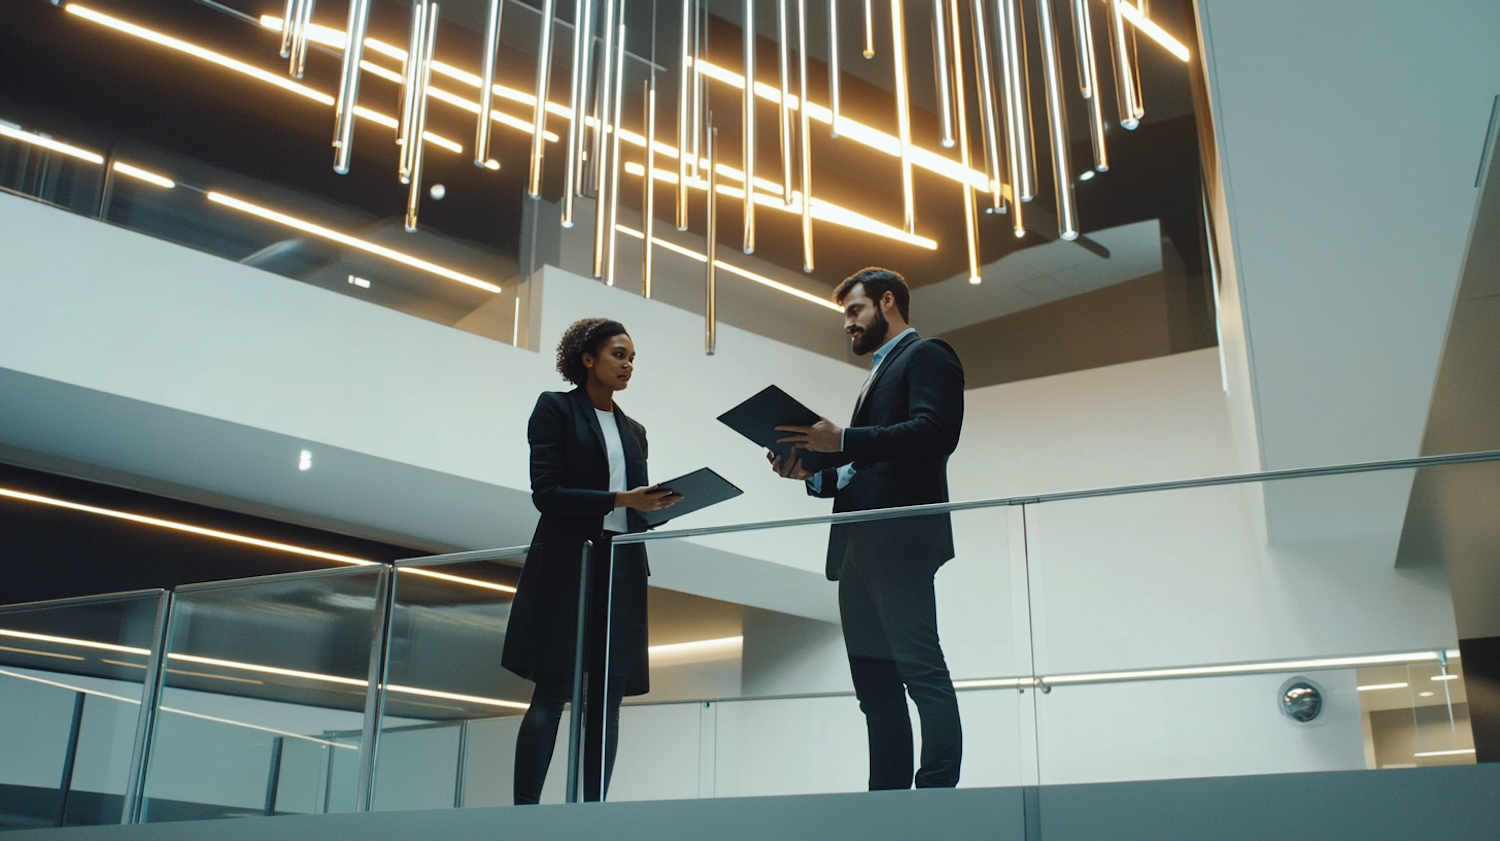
point(1271, 623)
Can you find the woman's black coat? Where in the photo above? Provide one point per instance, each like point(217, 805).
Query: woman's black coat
point(570, 487)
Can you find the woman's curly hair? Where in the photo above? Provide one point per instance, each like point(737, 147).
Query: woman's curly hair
point(584, 336)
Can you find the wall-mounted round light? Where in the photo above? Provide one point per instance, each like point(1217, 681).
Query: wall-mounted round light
point(1301, 700)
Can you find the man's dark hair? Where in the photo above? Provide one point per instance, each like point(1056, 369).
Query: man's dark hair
point(877, 282)
point(584, 336)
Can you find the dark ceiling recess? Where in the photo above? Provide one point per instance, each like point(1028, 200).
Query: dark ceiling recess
point(49, 552)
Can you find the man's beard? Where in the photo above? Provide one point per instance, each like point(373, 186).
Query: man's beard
point(873, 337)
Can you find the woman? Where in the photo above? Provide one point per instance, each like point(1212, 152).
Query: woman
point(585, 453)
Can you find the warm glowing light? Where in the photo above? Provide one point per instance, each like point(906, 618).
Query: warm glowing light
point(170, 524)
point(1445, 677)
point(1156, 33)
point(198, 52)
point(33, 652)
point(736, 270)
point(49, 143)
point(471, 582)
point(1459, 752)
point(241, 67)
point(454, 696)
point(143, 175)
point(723, 644)
point(352, 242)
point(1375, 686)
point(1424, 694)
point(102, 646)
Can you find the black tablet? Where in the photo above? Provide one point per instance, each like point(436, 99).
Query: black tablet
point(698, 489)
point(758, 417)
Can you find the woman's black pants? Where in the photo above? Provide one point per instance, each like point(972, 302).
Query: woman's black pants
point(538, 735)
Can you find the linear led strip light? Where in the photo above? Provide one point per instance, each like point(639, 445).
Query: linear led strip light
point(241, 67)
point(732, 269)
point(85, 155)
point(236, 538)
point(1318, 663)
point(822, 210)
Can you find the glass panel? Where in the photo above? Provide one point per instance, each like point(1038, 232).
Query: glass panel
point(264, 696)
point(70, 685)
point(769, 708)
point(451, 709)
point(58, 179)
point(1182, 633)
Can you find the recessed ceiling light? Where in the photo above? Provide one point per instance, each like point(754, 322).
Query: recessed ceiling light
point(1424, 694)
point(1375, 686)
point(492, 164)
point(1445, 677)
point(437, 192)
point(1086, 175)
point(305, 461)
point(362, 283)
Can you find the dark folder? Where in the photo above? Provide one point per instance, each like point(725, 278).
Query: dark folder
point(698, 490)
point(758, 417)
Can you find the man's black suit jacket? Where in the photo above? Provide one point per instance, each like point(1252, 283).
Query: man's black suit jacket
point(903, 431)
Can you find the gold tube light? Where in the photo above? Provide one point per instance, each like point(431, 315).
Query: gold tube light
point(1088, 81)
point(903, 115)
point(784, 109)
point(804, 134)
point(941, 68)
point(869, 29)
point(985, 73)
point(1144, 24)
point(1057, 121)
point(539, 110)
point(487, 80)
point(710, 316)
point(687, 82)
point(833, 65)
point(648, 187)
point(700, 86)
point(585, 65)
point(614, 152)
point(424, 76)
point(601, 102)
point(971, 217)
point(409, 71)
point(289, 13)
point(348, 99)
point(1125, 82)
point(1009, 67)
point(1023, 170)
point(295, 48)
point(577, 89)
point(747, 143)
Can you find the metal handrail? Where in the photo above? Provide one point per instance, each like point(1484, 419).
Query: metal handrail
point(1121, 490)
point(78, 601)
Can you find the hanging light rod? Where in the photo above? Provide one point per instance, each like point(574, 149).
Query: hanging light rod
point(731, 268)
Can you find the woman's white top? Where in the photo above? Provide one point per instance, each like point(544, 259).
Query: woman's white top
point(615, 520)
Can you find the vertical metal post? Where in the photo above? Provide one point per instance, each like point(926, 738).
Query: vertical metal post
point(289, 13)
point(747, 145)
point(273, 776)
point(986, 89)
point(804, 134)
point(648, 187)
point(614, 152)
point(833, 66)
point(971, 217)
point(903, 114)
point(686, 84)
point(460, 774)
point(784, 112)
point(343, 114)
point(1057, 120)
point(303, 19)
point(940, 69)
point(1088, 80)
point(487, 81)
point(70, 759)
point(710, 315)
point(539, 113)
point(575, 729)
point(145, 726)
point(419, 116)
point(380, 656)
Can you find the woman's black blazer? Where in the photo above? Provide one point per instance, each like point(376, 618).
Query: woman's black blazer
point(570, 487)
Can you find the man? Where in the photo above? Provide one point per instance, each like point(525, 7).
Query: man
point(906, 424)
